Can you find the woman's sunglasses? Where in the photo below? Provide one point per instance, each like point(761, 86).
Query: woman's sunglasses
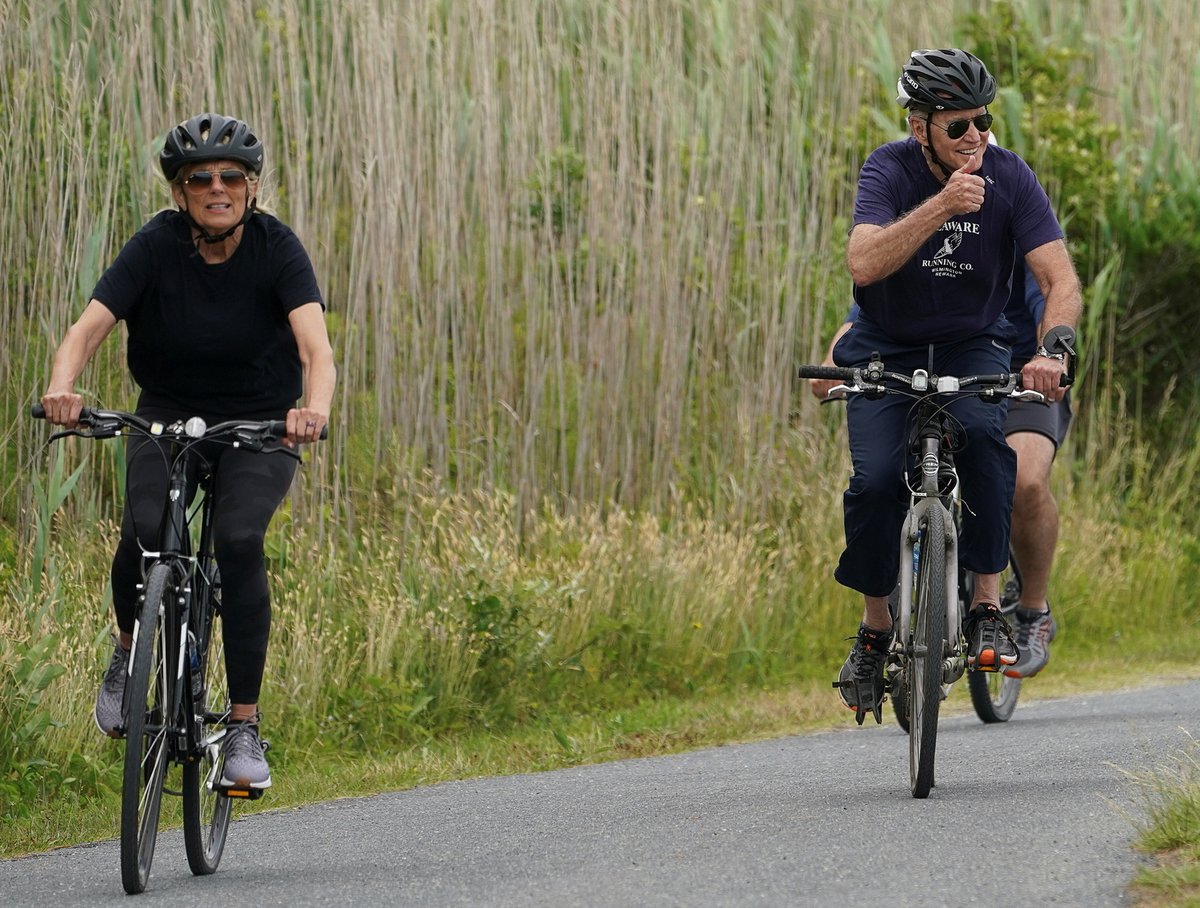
point(956, 129)
point(230, 179)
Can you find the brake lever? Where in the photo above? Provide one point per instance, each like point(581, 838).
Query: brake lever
point(838, 393)
point(68, 433)
point(279, 447)
point(1036, 397)
point(94, 430)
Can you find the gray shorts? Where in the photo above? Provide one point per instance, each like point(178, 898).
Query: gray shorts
point(1051, 421)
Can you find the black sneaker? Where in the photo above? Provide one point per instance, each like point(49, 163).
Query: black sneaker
point(990, 645)
point(860, 682)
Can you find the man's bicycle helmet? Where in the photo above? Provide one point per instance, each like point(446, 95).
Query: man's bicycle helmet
point(210, 137)
point(949, 79)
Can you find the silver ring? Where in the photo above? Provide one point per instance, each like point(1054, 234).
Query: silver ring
point(311, 424)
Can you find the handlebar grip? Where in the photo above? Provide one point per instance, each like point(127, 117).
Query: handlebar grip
point(278, 428)
point(37, 411)
point(829, 372)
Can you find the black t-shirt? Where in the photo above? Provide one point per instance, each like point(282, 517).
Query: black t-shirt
point(212, 339)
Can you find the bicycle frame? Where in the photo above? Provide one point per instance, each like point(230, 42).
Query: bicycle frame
point(175, 547)
point(933, 465)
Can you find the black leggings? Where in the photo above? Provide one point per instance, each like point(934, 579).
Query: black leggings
point(248, 488)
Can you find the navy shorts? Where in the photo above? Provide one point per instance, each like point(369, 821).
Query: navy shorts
point(1051, 421)
point(875, 503)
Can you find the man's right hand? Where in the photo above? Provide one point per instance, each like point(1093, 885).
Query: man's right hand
point(964, 191)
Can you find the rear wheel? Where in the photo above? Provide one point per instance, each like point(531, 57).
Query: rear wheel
point(148, 697)
point(994, 694)
point(925, 662)
point(205, 810)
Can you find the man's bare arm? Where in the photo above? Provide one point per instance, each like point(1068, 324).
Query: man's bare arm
point(876, 252)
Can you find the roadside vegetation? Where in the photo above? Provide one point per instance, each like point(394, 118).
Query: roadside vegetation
point(1171, 831)
point(574, 505)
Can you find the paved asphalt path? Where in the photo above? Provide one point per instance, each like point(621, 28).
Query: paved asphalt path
point(1036, 812)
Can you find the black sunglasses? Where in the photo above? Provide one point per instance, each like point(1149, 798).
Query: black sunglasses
point(956, 129)
point(202, 179)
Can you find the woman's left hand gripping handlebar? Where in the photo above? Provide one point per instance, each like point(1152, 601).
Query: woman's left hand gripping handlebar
point(304, 426)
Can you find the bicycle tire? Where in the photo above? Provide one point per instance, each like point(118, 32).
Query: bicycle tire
point(994, 694)
point(148, 693)
point(205, 810)
point(898, 687)
point(927, 653)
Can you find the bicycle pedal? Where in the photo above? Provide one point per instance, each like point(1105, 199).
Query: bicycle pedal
point(245, 794)
point(866, 704)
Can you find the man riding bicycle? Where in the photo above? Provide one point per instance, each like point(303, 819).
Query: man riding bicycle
point(939, 220)
point(225, 321)
point(1035, 432)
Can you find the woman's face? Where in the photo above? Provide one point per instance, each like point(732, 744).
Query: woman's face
point(215, 193)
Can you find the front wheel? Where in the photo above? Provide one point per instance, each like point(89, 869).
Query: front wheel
point(925, 661)
point(148, 697)
point(206, 810)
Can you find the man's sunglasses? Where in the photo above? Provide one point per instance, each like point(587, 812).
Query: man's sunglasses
point(956, 129)
point(230, 179)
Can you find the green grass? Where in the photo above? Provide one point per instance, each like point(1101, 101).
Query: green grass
point(1171, 832)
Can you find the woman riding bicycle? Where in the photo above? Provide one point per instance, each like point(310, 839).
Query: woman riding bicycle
point(225, 321)
point(939, 218)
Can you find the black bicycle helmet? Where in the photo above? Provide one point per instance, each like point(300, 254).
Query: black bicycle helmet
point(949, 79)
point(210, 137)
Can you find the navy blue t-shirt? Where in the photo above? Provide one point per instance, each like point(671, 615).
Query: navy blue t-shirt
point(212, 339)
point(959, 281)
point(1023, 312)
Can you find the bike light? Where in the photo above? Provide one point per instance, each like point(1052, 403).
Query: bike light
point(947, 383)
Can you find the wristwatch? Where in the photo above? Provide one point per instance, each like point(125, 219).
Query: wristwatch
point(1042, 351)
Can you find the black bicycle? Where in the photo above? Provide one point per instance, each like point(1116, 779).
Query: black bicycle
point(176, 699)
point(929, 649)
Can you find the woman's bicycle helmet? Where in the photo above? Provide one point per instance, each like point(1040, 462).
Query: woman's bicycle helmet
point(210, 137)
point(948, 79)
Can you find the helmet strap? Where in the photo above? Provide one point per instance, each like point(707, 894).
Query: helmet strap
point(251, 206)
point(933, 154)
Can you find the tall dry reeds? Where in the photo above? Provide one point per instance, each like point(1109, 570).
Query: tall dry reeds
point(571, 250)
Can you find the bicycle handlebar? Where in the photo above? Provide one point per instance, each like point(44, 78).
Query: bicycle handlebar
point(108, 423)
point(865, 374)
